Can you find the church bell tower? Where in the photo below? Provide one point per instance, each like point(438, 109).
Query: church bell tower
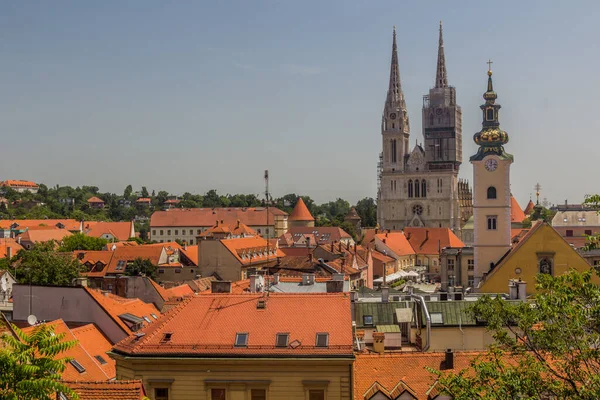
point(491, 188)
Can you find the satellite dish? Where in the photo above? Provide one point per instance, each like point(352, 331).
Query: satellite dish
point(32, 320)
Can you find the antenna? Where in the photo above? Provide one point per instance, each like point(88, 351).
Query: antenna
point(32, 320)
point(268, 200)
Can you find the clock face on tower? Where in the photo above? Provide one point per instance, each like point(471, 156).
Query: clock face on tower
point(393, 116)
point(491, 164)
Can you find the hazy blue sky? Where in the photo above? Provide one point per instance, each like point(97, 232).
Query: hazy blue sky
point(194, 95)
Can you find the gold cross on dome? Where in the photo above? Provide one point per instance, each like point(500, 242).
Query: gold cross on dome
point(489, 63)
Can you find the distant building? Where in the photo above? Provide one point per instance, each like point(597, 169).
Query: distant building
point(314, 236)
point(300, 216)
point(353, 219)
point(111, 231)
point(575, 225)
point(21, 186)
point(34, 236)
point(95, 202)
point(144, 202)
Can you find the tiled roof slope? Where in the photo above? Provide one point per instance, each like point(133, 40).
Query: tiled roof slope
point(397, 242)
point(44, 235)
point(180, 291)
point(19, 183)
point(409, 369)
point(206, 325)
point(516, 212)
point(431, 240)
point(113, 390)
point(95, 199)
point(96, 344)
point(251, 250)
point(121, 230)
point(254, 216)
point(92, 372)
point(69, 224)
point(322, 234)
point(300, 212)
point(529, 208)
point(6, 243)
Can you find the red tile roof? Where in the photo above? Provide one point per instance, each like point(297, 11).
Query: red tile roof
point(6, 243)
point(251, 250)
point(95, 200)
point(322, 234)
point(69, 224)
point(19, 184)
point(206, 217)
point(402, 371)
point(381, 257)
point(93, 371)
point(516, 212)
point(207, 325)
point(300, 212)
point(144, 200)
point(191, 252)
point(96, 344)
point(529, 208)
point(112, 390)
point(44, 235)
point(180, 291)
point(397, 243)
point(120, 230)
point(431, 240)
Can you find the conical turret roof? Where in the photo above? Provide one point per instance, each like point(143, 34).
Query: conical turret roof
point(516, 213)
point(300, 212)
point(529, 208)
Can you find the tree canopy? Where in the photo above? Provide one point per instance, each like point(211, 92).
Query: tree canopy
point(42, 265)
point(141, 267)
point(79, 241)
point(548, 347)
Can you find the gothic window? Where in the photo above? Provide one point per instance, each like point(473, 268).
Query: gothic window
point(491, 192)
point(492, 222)
point(410, 188)
point(417, 209)
point(393, 125)
point(423, 188)
point(546, 266)
point(394, 153)
point(417, 189)
point(392, 186)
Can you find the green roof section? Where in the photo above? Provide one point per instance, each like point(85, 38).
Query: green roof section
point(388, 328)
point(453, 313)
point(382, 313)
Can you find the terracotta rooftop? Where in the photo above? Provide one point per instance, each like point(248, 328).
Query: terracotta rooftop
point(122, 255)
point(210, 324)
point(397, 243)
point(180, 291)
point(322, 234)
point(112, 390)
point(516, 212)
point(396, 372)
point(144, 200)
point(300, 212)
point(6, 243)
point(96, 345)
point(206, 217)
point(95, 200)
point(191, 252)
point(251, 250)
point(431, 240)
point(120, 230)
point(529, 208)
point(44, 235)
point(90, 370)
point(19, 184)
point(69, 224)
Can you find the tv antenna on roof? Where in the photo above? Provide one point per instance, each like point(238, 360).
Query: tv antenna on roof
point(32, 320)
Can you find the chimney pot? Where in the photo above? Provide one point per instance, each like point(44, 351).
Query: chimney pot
point(449, 364)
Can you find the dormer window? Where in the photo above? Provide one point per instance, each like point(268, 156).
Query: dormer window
point(367, 319)
point(241, 340)
point(282, 339)
point(322, 340)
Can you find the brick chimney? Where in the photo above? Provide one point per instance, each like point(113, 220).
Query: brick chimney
point(449, 359)
point(335, 286)
point(332, 247)
point(9, 252)
point(378, 342)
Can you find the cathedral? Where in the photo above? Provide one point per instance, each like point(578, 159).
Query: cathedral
point(420, 187)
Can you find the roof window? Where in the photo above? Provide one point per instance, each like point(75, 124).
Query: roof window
point(120, 265)
point(154, 316)
point(146, 319)
point(100, 359)
point(437, 318)
point(282, 339)
point(322, 339)
point(80, 368)
point(241, 340)
point(367, 320)
point(166, 337)
point(261, 304)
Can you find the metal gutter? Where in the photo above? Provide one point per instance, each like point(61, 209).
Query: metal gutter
point(421, 300)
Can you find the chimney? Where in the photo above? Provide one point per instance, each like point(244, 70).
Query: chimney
point(276, 279)
point(383, 240)
point(253, 283)
point(310, 257)
point(354, 247)
point(427, 235)
point(9, 253)
point(522, 290)
point(335, 286)
point(353, 296)
point(449, 361)
point(340, 247)
point(308, 279)
point(238, 224)
point(386, 234)
point(378, 342)
point(308, 241)
point(332, 247)
point(512, 290)
point(348, 246)
point(220, 286)
point(408, 235)
point(82, 281)
point(385, 294)
point(19, 239)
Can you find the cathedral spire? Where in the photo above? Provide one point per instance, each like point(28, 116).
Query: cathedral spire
point(394, 94)
point(441, 77)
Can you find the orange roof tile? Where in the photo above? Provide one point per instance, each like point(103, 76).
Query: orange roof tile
point(202, 284)
point(115, 306)
point(69, 224)
point(6, 243)
point(322, 234)
point(173, 201)
point(516, 212)
point(180, 291)
point(197, 217)
point(397, 242)
point(144, 200)
point(300, 212)
point(381, 257)
point(19, 184)
point(191, 252)
point(162, 292)
point(241, 229)
point(407, 369)
point(207, 325)
point(44, 235)
point(251, 250)
point(121, 230)
point(96, 344)
point(93, 371)
point(95, 200)
point(112, 390)
point(431, 240)
point(529, 208)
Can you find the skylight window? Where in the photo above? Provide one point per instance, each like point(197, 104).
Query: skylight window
point(437, 318)
point(120, 265)
point(322, 339)
point(80, 368)
point(154, 316)
point(367, 319)
point(146, 319)
point(241, 340)
point(166, 337)
point(282, 339)
point(100, 359)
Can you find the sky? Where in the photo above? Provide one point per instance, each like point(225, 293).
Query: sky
point(188, 96)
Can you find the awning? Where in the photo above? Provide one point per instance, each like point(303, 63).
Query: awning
point(404, 315)
point(388, 328)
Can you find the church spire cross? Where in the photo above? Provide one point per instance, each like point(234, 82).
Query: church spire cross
point(441, 76)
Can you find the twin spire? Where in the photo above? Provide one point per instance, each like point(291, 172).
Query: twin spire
point(441, 77)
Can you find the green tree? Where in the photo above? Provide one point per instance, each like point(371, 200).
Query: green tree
point(593, 241)
point(79, 241)
point(211, 199)
point(127, 192)
point(161, 197)
point(30, 367)
point(141, 267)
point(550, 349)
point(42, 265)
point(367, 211)
point(145, 192)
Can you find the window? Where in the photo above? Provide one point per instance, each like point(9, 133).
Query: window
point(450, 265)
point(153, 232)
point(546, 266)
point(258, 394)
point(183, 231)
point(394, 151)
point(241, 340)
point(100, 359)
point(120, 265)
point(217, 394)
point(410, 188)
point(470, 281)
point(161, 394)
point(191, 242)
point(423, 188)
point(489, 114)
point(168, 232)
point(177, 270)
point(492, 222)
point(417, 209)
point(282, 339)
point(470, 265)
point(161, 232)
point(161, 271)
point(367, 320)
point(417, 189)
point(491, 192)
point(316, 394)
point(77, 366)
point(176, 232)
point(436, 318)
point(569, 233)
point(146, 319)
point(322, 339)
point(167, 337)
point(588, 232)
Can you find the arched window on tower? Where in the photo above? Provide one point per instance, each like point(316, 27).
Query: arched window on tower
point(394, 150)
point(410, 188)
point(423, 188)
point(417, 188)
point(491, 192)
